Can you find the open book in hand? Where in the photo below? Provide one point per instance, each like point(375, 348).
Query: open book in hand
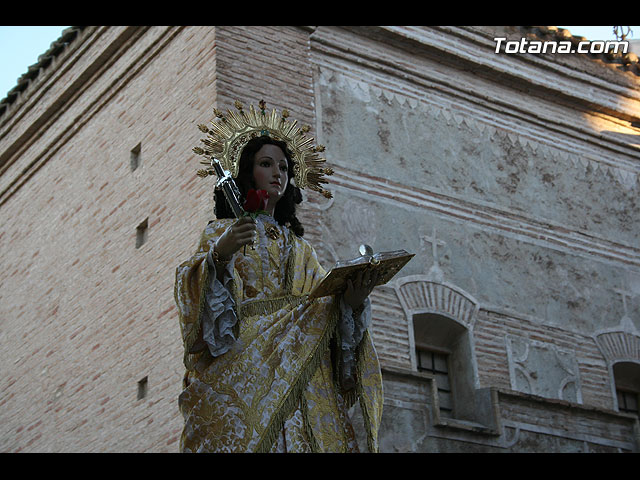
point(387, 264)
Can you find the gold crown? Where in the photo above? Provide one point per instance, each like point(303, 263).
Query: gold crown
point(227, 136)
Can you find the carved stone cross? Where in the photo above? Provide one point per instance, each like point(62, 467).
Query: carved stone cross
point(435, 272)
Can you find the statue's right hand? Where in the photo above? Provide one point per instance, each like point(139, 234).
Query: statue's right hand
point(235, 237)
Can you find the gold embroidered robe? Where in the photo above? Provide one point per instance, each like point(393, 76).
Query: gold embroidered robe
point(281, 372)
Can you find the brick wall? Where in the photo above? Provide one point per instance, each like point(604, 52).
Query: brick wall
point(86, 314)
point(89, 314)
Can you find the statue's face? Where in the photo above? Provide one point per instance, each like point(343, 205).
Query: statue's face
point(270, 172)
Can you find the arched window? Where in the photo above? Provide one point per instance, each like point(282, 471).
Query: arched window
point(441, 319)
point(621, 348)
point(627, 379)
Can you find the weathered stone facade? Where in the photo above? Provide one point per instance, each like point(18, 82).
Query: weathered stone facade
point(514, 179)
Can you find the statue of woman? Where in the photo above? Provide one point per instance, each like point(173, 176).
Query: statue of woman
point(267, 369)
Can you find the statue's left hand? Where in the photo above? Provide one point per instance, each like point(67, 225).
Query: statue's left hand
point(359, 288)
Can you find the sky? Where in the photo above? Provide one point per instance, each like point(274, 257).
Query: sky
point(20, 47)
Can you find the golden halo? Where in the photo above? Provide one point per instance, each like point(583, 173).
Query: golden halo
point(228, 134)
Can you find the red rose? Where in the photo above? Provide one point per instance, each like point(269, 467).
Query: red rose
point(256, 200)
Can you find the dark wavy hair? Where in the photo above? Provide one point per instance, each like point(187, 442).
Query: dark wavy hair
point(285, 211)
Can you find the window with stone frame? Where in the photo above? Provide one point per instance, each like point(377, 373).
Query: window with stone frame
point(627, 380)
point(442, 348)
point(437, 363)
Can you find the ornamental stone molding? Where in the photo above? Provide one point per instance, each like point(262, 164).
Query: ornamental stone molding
point(419, 294)
point(543, 369)
point(480, 120)
point(621, 344)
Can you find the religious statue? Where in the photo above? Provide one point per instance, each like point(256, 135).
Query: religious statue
point(270, 368)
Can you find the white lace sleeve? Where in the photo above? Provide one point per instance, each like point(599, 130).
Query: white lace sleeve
point(219, 316)
point(351, 333)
